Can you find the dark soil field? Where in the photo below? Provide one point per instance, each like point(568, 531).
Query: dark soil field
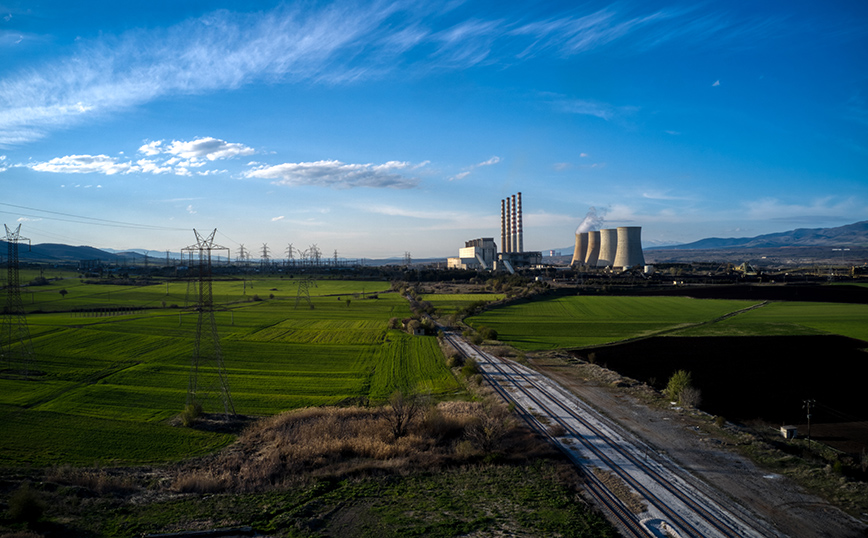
point(747, 379)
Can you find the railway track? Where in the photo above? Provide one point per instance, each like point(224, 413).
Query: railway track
point(676, 504)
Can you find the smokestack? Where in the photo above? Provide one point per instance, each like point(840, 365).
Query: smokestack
point(507, 242)
point(629, 253)
point(593, 249)
point(580, 250)
point(502, 226)
point(514, 246)
point(520, 233)
point(608, 247)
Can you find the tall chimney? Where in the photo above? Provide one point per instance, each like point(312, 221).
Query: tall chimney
point(502, 226)
point(507, 243)
point(514, 246)
point(520, 233)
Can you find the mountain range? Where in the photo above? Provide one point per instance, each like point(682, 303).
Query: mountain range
point(851, 235)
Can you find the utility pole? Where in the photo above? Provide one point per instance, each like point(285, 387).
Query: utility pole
point(265, 256)
point(807, 405)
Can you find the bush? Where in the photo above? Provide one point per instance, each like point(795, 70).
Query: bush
point(191, 412)
point(26, 505)
point(470, 368)
point(677, 383)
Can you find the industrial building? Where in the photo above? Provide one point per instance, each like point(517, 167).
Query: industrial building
point(482, 253)
point(476, 254)
point(617, 248)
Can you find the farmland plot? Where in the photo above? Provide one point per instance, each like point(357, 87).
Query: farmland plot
point(111, 384)
point(587, 321)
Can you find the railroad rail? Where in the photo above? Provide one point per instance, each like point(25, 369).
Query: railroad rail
point(676, 504)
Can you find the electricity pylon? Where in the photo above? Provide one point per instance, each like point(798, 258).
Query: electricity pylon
point(18, 358)
point(207, 374)
point(304, 285)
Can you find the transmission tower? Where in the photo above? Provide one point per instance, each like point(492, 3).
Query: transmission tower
point(18, 358)
point(265, 255)
point(207, 374)
point(304, 285)
point(289, 259)
point(315, 255)
point(408, 260)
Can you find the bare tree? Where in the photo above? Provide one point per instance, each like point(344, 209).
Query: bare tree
point(403, 407)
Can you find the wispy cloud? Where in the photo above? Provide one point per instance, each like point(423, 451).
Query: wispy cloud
point(716, 83)
point(826, 209)
point(331, 44)
point(589, 107)
point(339, 175)
point(461, 175)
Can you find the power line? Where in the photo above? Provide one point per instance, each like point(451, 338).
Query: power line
point(89, 220)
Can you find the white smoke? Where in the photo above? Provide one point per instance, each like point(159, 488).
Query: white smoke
point(592, 221)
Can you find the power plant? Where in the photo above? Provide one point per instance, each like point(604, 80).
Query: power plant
point(482, 253)
point(618, 248)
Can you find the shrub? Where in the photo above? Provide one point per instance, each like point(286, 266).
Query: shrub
point(470, 368)
point(556, 430)
point(453, 361)
point(191, 412)
point(26, 504)
point(677, 383)
point(491, 425)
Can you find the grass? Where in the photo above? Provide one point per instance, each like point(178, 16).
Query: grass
point(792, 318)
point(332, 471)
point(130, 372)
point(569, 322)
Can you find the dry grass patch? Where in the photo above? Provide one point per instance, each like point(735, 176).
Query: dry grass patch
point(354, 441)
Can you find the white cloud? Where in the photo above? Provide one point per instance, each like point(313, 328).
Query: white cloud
point(337, 174)
point(83, 164)
point(207, 148)
point(190, 209)
point(275, 219)
point(461, 175)
point(716, 83)
point(489, 162)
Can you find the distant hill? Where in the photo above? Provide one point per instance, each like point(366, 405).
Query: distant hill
point(851, 235)
point(56, 252)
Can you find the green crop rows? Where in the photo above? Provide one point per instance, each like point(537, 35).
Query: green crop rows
point(113, 379)
point(571, 322)
point(792, 318)
point(588, 321)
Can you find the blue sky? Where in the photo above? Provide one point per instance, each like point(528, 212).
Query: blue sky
point(379, 128)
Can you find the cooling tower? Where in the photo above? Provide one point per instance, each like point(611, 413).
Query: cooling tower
point(593, 249)
point(580, 250)
point(629, 251)
point(608, 247)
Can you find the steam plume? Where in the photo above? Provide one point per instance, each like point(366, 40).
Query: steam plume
point(592, 221)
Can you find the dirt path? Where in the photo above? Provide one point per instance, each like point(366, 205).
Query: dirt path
point(772, 497)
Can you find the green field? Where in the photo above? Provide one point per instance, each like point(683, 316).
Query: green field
point(584, 321)
point(449, 304)
point(113, 378)
point(581, 321)
point(792, 318)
